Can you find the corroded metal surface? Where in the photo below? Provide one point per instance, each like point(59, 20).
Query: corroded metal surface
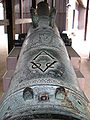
point(44, 85)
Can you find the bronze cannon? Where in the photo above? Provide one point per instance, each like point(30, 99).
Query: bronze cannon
point(44, 84)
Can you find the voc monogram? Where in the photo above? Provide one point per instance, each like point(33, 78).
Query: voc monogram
point(43, 61)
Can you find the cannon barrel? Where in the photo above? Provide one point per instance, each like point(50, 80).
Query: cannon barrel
point(44, 84)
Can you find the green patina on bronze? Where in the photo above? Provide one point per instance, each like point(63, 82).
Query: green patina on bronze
point(44, 85)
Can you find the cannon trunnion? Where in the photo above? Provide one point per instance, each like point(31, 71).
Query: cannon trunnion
point(44, 85)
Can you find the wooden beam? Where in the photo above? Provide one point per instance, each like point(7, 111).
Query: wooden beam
point(80, 2)
point(0, 0)
point(17, 21)
point(21, 14)
point(53, 3)
point(13, 18)
point(73, 19)
point(86, 22)
point(10, 15)
point(4, 22)
point(23, 21)
point(34, 4)
point(46, 1)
